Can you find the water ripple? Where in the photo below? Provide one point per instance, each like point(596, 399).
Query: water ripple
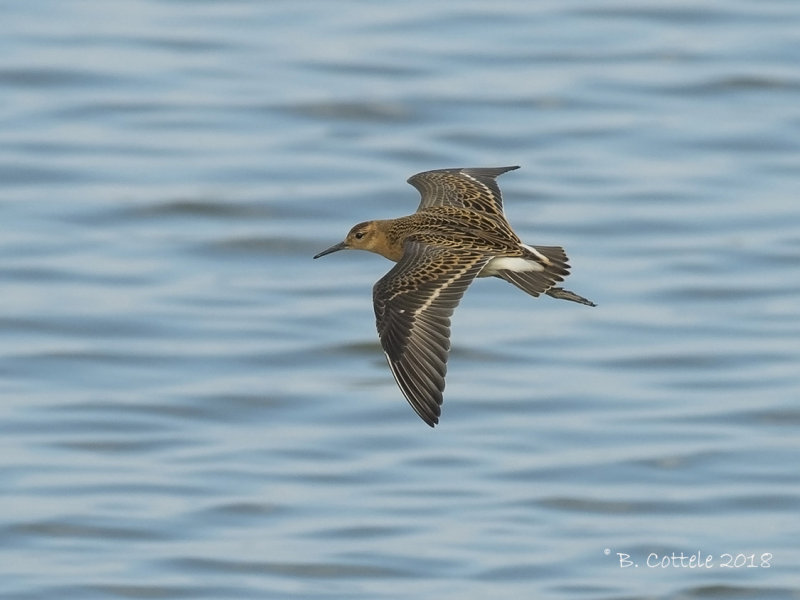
point(194, 408)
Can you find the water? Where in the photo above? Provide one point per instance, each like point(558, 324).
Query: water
point(193, 408)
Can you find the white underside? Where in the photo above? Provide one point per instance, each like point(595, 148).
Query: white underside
point(510, 263)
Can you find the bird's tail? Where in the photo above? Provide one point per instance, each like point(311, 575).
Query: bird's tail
point(541, 282)
point(538, 282)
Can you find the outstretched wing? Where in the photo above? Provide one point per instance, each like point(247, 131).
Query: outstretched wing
point(413, 305)
point(472, 188)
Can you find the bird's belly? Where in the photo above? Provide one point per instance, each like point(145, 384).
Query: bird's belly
point(509, 263)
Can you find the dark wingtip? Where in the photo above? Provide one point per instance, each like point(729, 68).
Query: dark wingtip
point(485, 171)
point(430, 419)
point(490, 171)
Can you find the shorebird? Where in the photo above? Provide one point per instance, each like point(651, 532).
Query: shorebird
point(458, 233)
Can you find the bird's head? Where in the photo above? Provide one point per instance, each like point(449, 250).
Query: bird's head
point(364, 236)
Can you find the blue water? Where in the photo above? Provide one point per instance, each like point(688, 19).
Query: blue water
point(193, 408)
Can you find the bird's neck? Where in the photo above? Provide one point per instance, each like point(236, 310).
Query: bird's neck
point(392, 233)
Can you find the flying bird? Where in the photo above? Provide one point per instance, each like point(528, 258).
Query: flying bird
point(458, 233)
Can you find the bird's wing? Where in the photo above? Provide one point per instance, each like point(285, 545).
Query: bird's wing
point(413, 305)
point(472, 188)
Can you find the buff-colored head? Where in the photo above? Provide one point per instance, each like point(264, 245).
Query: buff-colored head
point(364, 236)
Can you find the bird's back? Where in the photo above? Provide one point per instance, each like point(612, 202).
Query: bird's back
point(457, 228)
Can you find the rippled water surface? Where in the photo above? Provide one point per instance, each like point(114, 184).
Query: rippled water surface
point(193, 408)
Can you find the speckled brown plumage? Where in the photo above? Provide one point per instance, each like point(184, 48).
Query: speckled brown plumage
point(458, 233)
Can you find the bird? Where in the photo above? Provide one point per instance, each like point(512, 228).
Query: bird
point(459, 232)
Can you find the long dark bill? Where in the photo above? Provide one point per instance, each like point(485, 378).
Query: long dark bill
point(334, 248)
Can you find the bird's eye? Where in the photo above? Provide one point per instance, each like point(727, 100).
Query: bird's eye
point(359, 235)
